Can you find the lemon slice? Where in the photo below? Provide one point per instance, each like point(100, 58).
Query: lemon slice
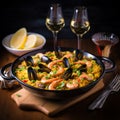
point(30, 41)
point(39, 41)
point(18, 39)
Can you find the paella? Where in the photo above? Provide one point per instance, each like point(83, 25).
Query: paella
point(58, 70)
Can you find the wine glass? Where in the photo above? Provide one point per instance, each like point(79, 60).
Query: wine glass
point(79, 23)
point(55, 21)
point(104, 41)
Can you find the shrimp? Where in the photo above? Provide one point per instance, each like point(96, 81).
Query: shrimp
point(44, 80)
point(72, 84)
point(88, 63)
point(79, 62)
point(59, 71)
point(85, 76)
point(51, 64)
point(54, 84)
point(68, 55)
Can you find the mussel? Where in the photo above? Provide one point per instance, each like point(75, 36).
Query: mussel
point(78, 54)
point(66, 62)
point(58, 52)
point(45, 59)
point(43, 68)
point(83, 68)
point(29, 61)
point(32, 75)
point(67, 74)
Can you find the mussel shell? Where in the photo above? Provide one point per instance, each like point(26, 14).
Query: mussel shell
point(32, 75)
point(66, 62)
point(58, 52)
point(83, 68)
point(67, 74)
point(45, 59)
point(78, 54)
point(43, 68)
point(29, 61)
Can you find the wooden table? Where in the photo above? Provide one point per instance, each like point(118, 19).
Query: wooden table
point(10, 111)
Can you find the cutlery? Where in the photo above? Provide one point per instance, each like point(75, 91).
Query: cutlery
point(114, 86)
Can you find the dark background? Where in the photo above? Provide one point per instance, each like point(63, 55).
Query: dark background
point(103, 16)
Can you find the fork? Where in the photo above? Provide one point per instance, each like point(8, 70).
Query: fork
point(114, 86)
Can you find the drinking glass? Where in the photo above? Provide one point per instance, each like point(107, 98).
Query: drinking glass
point(55, 20)
point(79, 23)
point(104, 41)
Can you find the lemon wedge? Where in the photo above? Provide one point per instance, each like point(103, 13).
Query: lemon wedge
point(39, 41)
point(18, 39)
point(30, 41)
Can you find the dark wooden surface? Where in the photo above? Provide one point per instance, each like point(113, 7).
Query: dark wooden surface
point(110, 111)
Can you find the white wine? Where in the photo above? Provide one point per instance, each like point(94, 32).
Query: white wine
point(54, 25)
point(55, 21)
point(80, 28)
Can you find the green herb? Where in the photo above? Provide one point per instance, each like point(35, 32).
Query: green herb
point(90, 69)
point(48, 76)
point(18, 95)
point(55, 71)
point(60, 86)
point(75, 69)
point(33, 81)
point(78, 73)
point(21, 69)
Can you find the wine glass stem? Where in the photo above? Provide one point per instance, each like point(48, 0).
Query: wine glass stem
point(79, 38)
point(55, 39)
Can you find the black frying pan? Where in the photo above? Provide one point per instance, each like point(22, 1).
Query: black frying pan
point(55, 94)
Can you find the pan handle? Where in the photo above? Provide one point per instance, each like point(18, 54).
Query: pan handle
point(5, 72)
point(108, 63)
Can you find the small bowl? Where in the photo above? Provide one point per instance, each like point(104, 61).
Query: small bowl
point(105, 38)
point(104, 41)
point(19, 52)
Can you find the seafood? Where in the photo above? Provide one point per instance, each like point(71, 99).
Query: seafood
point(66, 62)
point(32, 61)
point(32, 74)
point(73, 84)
point(51, 64)
point(54, 84)
point(83, 68)
point(44, 80)
point(67, 74)
point(78, 54)
point(45, 59)
point(58, 70)
point(88, 63)
point(85, 76)
point(68, 55)
point(39, 57)
point(43, 68)
point(29, 60)
point(58, 52)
